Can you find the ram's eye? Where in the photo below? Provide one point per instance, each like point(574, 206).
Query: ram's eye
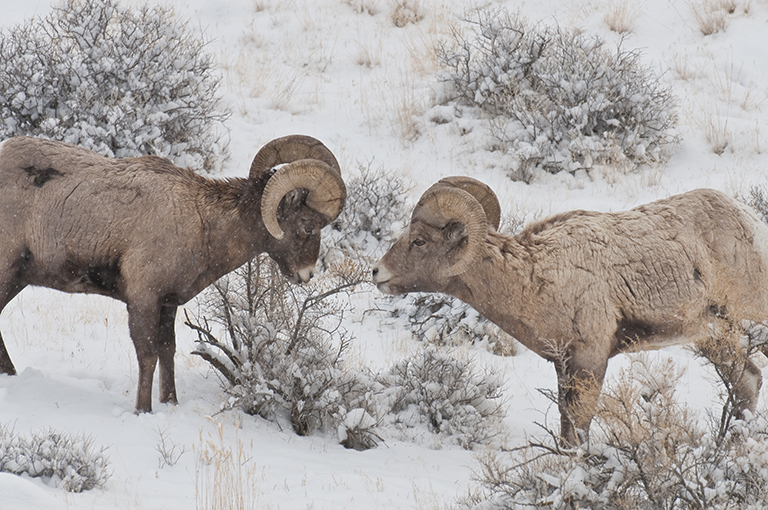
point(418, 242)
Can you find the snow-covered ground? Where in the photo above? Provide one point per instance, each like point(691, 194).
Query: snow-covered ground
point(342, 71)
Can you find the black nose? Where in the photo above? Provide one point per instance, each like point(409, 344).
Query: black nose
point(375, 271)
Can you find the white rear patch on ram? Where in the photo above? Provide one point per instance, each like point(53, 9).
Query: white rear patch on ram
point(759, 232)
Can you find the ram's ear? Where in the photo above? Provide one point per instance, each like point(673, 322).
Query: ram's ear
point(460, 216)
point(455, 232)
point(294, 198)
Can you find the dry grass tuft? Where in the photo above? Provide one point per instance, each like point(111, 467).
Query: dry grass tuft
point(716, 132)
point(368, 56)
point(621, 15)
point(370, 7)
point(683, 69)
point(711, 16)
point(405, 12)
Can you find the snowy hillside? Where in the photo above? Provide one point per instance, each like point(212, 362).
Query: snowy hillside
point(345, 72)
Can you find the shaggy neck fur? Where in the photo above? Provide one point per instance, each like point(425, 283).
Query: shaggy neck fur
point(227, 206)
point(505, 266)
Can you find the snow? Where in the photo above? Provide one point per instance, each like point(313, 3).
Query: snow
point(341, 70)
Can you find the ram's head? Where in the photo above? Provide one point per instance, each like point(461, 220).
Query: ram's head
point(443, 241)
point(299, 199)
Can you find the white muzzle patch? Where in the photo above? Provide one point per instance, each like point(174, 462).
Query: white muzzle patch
point(381, 275)
point(306, 274)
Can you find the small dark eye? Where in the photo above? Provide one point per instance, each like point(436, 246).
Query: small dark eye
point(418, 242)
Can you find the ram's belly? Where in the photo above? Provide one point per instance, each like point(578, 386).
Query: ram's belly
point(633, 336)
point(76, 277)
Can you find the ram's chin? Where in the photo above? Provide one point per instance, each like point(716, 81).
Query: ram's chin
point(393, 289)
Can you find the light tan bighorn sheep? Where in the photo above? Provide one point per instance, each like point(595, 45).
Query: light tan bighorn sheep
point(154, 235)
point(581, 287)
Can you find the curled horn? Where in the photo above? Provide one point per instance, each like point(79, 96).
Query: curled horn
point(288, 149)
point(441, 205)
point(482, 193)
point(311, 166)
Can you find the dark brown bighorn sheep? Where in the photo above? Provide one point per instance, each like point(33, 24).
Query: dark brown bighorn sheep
point(154, 235)
point(580, 287)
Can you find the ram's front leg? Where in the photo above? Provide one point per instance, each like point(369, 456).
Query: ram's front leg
point(578, 386)
point(143, 322)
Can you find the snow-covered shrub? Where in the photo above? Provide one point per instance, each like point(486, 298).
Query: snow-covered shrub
point(758, 200)
point(60, 459)
point(646, 450)
point(372, 218)
point(441, 319)
point(728, 349)
point(557, 99)
point(280, 356)
point(278, 349)
point(435, 397)
point(358, 430)
point(120, 81)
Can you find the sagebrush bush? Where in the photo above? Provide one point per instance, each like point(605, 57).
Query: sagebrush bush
point(120, 81)
point(441, 319)
point(279, 350)
point(373, 216)
point(280, 356)
point(758, 200)
point(61, 459)
point(436, 394)
point(646, 450)
point(557, 99)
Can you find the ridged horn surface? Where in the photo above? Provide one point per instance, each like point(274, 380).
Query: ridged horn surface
point(440, 205)
point(327, 192)
point(288, 149)
point(482, 193)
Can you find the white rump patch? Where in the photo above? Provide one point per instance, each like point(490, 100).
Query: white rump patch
point(759, 232)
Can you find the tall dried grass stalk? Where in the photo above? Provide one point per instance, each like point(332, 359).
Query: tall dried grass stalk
point(223, 479)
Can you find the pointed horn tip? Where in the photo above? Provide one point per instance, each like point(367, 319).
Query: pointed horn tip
point(277, 234)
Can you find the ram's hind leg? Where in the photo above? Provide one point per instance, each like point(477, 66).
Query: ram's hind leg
point(166, 351)
point(8, 291)
point(6, 365)
point(739, 373)
point(747, 389)
point(143, 323)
